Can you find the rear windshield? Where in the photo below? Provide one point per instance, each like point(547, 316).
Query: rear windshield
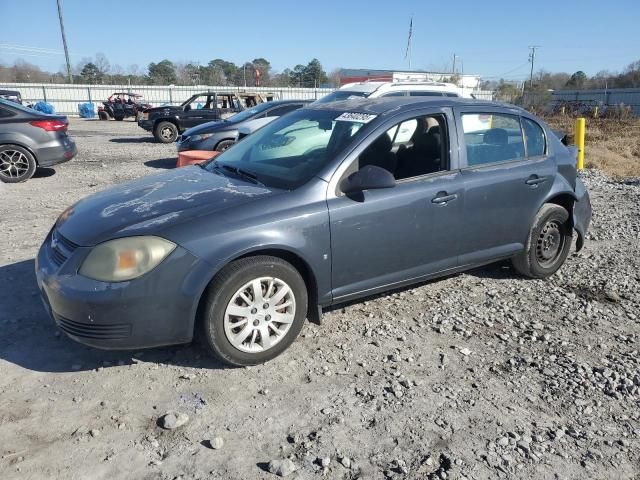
point(18, 106)
point(341, 95)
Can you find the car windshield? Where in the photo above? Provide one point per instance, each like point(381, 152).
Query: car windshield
point(246, 114)
point(341, 95)
point(288, 152)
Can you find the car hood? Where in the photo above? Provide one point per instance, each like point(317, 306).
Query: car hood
point(148, 205)
point(210, 127)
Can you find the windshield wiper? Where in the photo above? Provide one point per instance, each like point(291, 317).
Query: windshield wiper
point(243, 173)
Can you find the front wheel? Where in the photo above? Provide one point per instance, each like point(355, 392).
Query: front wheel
point(223, 145)
point(165, 132)
point(253, 310)
point(548, 244)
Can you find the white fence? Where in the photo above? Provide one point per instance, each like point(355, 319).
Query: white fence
point(65, 98)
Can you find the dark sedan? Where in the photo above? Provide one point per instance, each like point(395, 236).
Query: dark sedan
point(324, 205)
point(30, 139)
point(222, 134)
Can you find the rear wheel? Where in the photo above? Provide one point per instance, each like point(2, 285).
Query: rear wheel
point(254, 309)
point(119, 118)
point(165, 132)
point(548, 244)
point(17, 164)
point(223, 145)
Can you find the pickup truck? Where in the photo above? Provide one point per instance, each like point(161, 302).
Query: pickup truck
point(168, 121)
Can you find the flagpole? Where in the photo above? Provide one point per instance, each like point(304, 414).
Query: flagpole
point(408, 51)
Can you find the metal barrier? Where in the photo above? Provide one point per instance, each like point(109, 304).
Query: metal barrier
point(65, 98)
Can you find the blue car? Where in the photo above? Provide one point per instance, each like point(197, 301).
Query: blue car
point(324, 205)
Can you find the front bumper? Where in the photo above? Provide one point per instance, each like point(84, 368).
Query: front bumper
point(581, 213)
point(146, 124)
point(156, 309)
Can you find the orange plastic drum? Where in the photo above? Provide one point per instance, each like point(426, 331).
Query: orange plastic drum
point(193, 157)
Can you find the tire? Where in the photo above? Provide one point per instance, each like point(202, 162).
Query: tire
point(102, 115)
point(17, 164)
point(165, 132)
point(219, 326)
point(119, 118)
point(548, 244)
point(223, 145)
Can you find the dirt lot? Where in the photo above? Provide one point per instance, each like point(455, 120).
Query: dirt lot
point(480, 375)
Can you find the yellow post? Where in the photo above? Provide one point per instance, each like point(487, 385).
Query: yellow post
point(579, 140)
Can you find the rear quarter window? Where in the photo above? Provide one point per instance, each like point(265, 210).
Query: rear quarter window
point(534, 138)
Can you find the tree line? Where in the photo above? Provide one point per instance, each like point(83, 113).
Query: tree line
point(98, 70)
point(544, 81)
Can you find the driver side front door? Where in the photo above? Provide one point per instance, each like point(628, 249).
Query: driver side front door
point(398, 235)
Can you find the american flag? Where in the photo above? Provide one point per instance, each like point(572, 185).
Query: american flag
point(409, 39)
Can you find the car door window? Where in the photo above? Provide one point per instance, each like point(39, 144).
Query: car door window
point(412, 148)
point(395, 94)
point(492, 137)
point(425, 94)
point(534, 138)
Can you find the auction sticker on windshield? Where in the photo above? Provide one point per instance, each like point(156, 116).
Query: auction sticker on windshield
point(355, 117)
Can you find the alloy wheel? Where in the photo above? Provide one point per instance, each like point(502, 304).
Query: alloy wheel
point(13, 164)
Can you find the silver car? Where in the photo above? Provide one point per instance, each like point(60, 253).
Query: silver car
point(30, 139)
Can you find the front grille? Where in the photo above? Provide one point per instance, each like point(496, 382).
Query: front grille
point(113, 331)
point(61, 248)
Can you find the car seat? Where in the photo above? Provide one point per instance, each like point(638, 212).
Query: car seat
point(379, 154)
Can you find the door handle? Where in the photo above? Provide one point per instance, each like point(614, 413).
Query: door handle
point(534, 180)
point(442, 198)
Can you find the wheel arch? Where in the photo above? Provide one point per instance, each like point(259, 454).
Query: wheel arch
point(295, 259)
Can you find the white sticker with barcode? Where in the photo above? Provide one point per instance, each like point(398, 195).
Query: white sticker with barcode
point(355, 117)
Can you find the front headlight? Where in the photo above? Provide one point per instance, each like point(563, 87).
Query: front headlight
point(199, 138)
point(125, 258)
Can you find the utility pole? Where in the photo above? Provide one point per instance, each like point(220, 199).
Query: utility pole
point(64, 42)
point(453, 69)
point(532, 59)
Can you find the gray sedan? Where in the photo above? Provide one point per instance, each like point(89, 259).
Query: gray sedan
point(324, 205)
point(30, 139)
point(220, 135)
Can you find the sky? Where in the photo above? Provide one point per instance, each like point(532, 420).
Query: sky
point(490, 39)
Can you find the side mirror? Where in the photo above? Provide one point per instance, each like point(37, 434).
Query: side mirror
point(187, 108)
point(368, 177)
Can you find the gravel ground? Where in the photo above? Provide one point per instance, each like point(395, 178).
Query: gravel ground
point(479, 375)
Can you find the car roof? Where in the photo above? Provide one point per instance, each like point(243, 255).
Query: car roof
point(381, 105)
